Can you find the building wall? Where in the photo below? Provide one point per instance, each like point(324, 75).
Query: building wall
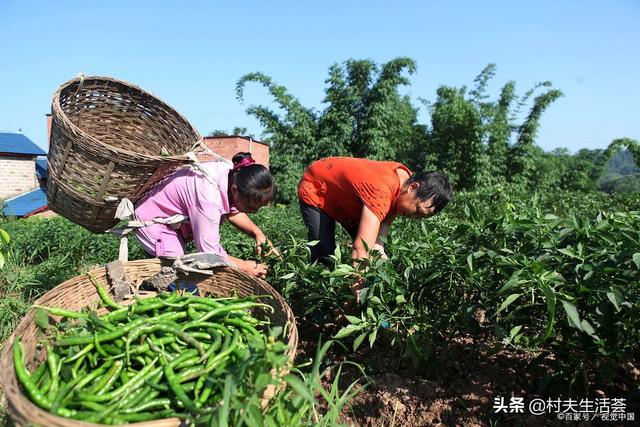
point(46, 214)
point(228, 146)
point(17, 175)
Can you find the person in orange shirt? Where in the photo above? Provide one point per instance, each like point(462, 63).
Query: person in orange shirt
point(364, 196)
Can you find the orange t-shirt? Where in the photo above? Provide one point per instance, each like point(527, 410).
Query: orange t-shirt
point(341, 186)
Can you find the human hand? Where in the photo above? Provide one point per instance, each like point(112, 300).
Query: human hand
point(261, 242)
point(357, 287)
point(378, 247)
point(256, 269)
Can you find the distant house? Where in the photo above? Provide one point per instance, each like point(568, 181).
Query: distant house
point(23, 176)
point(227, 146)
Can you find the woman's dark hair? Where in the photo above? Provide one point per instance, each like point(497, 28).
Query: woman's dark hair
point(254, 182)
point(432, 185)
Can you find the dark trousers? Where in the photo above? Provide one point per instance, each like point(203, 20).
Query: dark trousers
point(322, 228)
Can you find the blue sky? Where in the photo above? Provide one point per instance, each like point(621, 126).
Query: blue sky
point(191, 53)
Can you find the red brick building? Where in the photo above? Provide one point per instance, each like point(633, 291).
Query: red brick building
point(227, 146)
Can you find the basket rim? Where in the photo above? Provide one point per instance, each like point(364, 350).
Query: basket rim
point(56, 110)
point(7, 369)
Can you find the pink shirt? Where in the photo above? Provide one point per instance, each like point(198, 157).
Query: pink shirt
point(189, 193)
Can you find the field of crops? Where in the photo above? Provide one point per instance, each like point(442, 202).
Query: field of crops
point(501, 295)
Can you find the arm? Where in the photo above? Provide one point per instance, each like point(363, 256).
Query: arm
point(368, 232)
point(242, 222)
point(384, 230)
point(382, 233)
point(248, 266)
point(206, 234)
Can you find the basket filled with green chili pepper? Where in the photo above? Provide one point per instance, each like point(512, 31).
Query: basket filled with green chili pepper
point(79, 358)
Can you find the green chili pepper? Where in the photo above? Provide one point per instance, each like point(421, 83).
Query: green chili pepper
point(133, 384)
point(152, 404)
point(244, 325)
point(62, 312)
point(105, 383)
point(177, 390)
point(53, 362)
point(37, 375)
point(25, 379)
point(104, 296)
point(86, 339)
point(79, 354)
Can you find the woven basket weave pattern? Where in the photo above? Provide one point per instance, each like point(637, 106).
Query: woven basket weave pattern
point(78, 292)
point(110, 140)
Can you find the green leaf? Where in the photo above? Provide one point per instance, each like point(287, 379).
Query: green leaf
point(514, 331)
point(299, 386)
point(572, 314)
point(358, 341)
point(586, 326)
point(276, 331)
point(374, 300)
point(262, 380)
point(4, 237)
point(616, 298)
point(550, 298)
point(287, 276)
point(337, 253)
point(353, 319)
point(42, 318)
point(1, 260)
point(636, 259)
point(370, 313)
point(270, 421)
point(400, 299)
point(346, 331)
point(567, 251)
point(514, 280)
point(511, 298)
point(256, 419)
point(372, 337)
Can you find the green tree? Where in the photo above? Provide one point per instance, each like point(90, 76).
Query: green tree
point(238, 130)
point(456, 137)
point(619, 144)
point(292, 135)
point(470, 136)
point(524, 154)
point(365, 116)
point(622, 172)
point(499, 132)
point(562, 171)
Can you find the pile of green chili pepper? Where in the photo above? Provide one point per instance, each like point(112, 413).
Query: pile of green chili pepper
point(172, 355)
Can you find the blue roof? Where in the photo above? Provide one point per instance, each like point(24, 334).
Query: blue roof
point(41, 168)
point(26, 203)
point(17, 143)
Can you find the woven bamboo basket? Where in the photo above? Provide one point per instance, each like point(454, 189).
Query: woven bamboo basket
point(110, 140)
point(78, 292)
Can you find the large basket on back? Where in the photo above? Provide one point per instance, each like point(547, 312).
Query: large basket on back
point(110, 140)
point(79, 292)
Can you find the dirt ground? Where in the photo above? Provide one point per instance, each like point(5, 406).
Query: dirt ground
point(460, 392)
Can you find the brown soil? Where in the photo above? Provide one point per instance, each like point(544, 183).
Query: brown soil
point(460, 391)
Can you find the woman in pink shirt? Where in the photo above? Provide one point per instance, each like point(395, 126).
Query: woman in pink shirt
point(208, 197)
